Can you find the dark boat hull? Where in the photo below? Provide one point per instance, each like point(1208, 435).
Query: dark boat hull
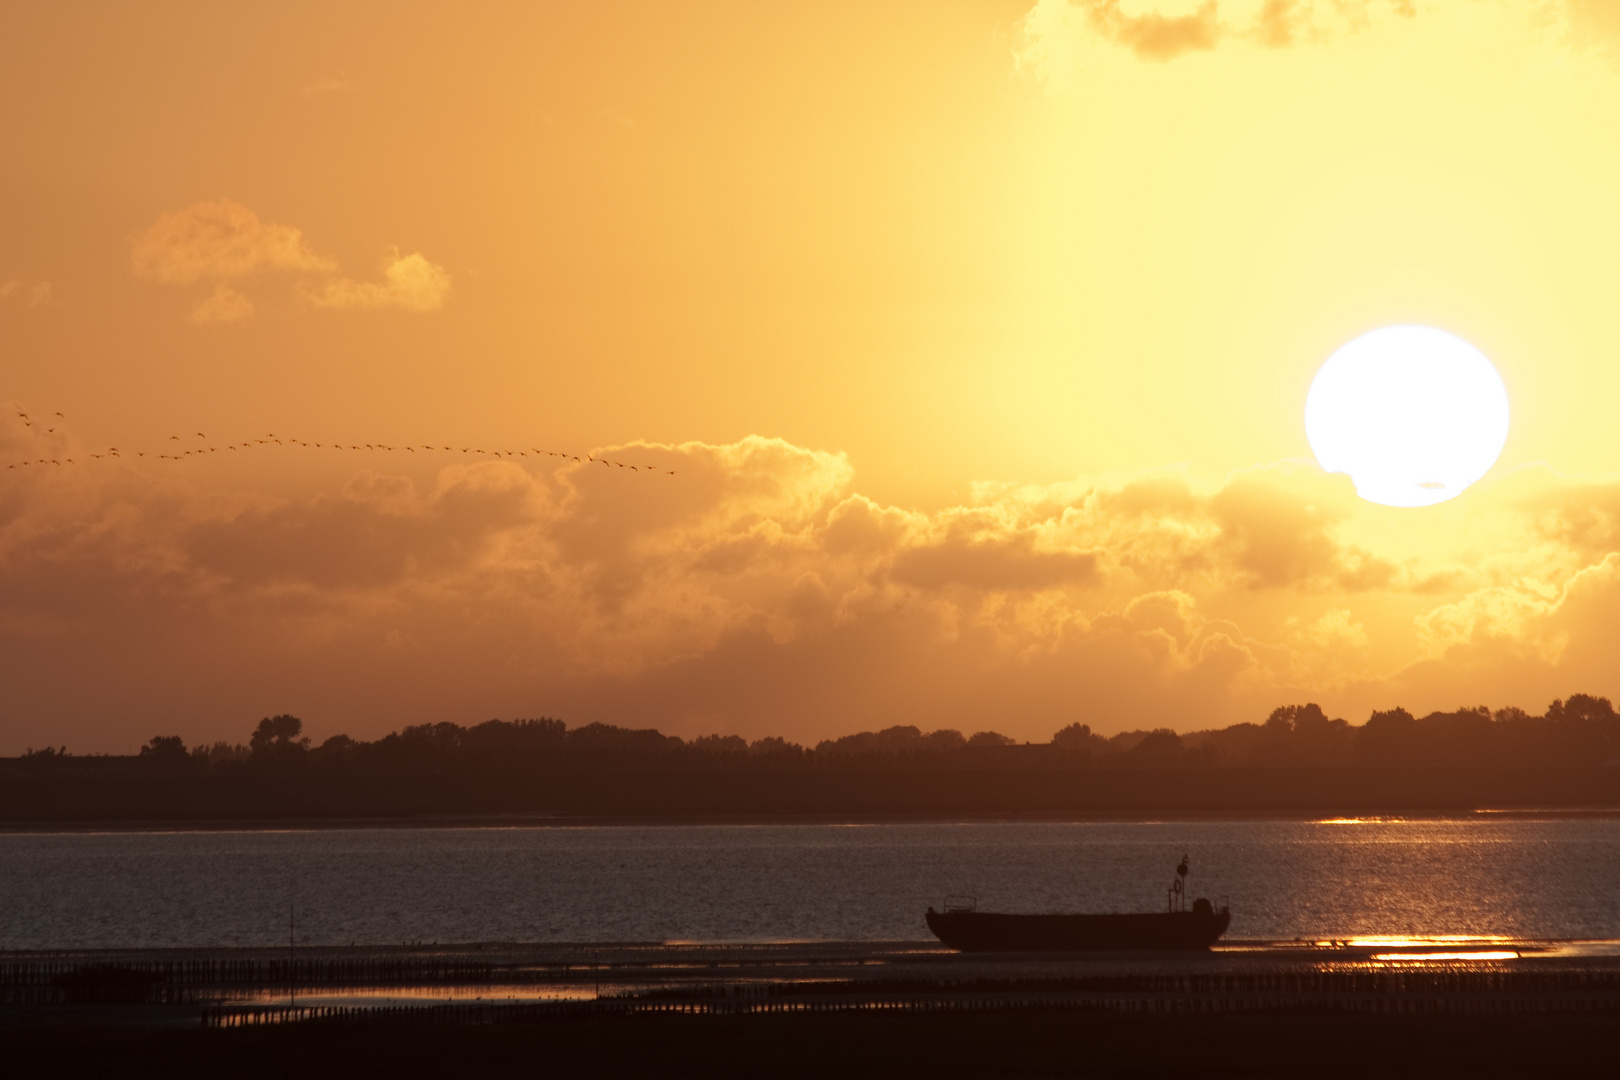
point(983, 931)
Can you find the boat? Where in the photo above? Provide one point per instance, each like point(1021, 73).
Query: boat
point(962, 926)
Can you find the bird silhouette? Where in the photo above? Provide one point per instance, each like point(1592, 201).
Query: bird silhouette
point(63, 417)
point(200, 435)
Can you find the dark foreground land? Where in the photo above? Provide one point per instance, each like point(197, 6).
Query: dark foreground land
point(1010, 1042)
point(1252, 1009)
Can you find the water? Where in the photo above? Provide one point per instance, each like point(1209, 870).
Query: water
point(1483, 877)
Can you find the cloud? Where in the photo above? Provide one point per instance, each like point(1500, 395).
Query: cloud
point(1592, 23)
point(326, 86)
point(28, 293)
point(218, 241)
point(224, 304)
point(225, 243)
point(1151, 35)
point(1281, 537)
point(1056, 31)
point(759, 590)
point(409, 282)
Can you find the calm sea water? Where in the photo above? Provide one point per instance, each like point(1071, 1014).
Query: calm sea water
point(1541, 879)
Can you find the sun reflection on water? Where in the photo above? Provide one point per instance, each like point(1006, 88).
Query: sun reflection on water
point(1419, 957)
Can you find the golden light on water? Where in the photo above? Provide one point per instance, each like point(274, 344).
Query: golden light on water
point(1416, 957)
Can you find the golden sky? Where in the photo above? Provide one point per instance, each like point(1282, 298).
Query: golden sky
point(976, 335)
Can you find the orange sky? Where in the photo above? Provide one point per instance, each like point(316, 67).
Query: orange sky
point(977, 335)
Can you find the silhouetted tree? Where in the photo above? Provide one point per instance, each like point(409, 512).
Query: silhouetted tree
point(166, 754)
point(276, 741)
point(165, 748)
point(1387, 738)
point(1584, 729)
point(720, 744)
point(1078, 739)
point(1159, 748)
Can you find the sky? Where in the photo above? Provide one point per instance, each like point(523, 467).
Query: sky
point(960, 350)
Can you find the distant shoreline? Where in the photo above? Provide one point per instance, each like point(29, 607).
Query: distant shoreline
point(582, 821)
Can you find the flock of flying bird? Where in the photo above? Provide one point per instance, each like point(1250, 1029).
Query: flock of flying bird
point(180, 453)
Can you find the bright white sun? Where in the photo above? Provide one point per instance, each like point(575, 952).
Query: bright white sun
point(1413, 414)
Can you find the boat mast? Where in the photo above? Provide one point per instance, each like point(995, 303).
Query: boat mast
point(1178, 888)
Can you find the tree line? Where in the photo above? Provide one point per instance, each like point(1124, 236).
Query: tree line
point(1581, 730)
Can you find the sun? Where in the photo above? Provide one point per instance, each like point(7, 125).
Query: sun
point(1414, 415)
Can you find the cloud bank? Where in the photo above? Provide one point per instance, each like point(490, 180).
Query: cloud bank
point(757, 591)
point(223, 242)
point(1057, 31)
